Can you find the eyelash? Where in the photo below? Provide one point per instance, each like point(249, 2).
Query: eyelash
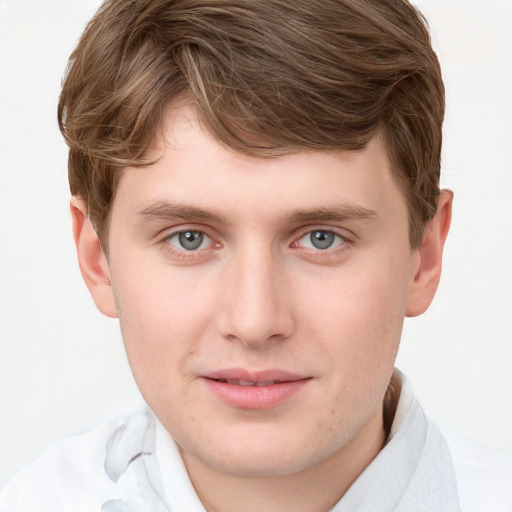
point(184, 254)
point(320, 230)
point(330, 254)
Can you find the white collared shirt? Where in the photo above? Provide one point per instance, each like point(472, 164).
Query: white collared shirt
point(121, 466)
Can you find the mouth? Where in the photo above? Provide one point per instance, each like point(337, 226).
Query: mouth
point(238, 382)
point(255, 390)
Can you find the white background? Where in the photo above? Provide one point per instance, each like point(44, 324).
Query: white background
point(62, 366)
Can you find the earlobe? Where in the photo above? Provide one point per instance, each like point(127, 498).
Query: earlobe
point(429, 258)
point(91, 259)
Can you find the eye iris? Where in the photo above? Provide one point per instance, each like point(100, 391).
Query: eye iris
point(191, 240)
point(322, 239)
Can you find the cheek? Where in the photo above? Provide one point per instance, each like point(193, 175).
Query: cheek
point(359, 311)
point(162, 315)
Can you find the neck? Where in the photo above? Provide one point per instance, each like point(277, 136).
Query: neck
point(314, 489)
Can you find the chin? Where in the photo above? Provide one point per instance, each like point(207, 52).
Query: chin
point(261, 465)
point(268, 455)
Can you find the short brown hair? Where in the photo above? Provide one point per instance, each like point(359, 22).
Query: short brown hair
point(268, 77)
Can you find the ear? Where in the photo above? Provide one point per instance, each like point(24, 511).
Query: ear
point(92, 260)
point(428, 258)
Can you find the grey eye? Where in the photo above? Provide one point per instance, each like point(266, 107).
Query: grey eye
point(321, 239)
point(188, 240)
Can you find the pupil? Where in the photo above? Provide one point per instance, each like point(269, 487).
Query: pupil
point(191, 240)
point(322, 239)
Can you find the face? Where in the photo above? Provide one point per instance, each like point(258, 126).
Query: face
point(261, 301)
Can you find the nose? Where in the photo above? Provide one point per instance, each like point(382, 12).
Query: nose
point(256, 304)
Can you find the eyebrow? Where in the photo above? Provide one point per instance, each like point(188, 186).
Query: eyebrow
point(165, 210)
point(339, 213)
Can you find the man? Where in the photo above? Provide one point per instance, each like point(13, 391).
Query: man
point(255, 196)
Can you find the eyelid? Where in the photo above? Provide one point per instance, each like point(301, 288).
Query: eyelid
point(173, 251)
point(329, 256)
point(176, 235)
point(346, 235)
point(168, 232)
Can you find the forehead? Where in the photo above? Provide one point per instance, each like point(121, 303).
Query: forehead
point(192, 168)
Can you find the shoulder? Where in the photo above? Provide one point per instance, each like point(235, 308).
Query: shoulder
point(484, 475)
point(70, 475)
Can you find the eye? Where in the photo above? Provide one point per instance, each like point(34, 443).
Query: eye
point(321, 239)
point(190, 240)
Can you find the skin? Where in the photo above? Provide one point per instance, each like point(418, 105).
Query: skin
point(257, 294)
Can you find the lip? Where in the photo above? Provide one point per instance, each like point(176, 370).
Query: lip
point(254, 389)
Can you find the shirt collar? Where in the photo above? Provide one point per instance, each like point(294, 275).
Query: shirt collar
point(414, 470)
